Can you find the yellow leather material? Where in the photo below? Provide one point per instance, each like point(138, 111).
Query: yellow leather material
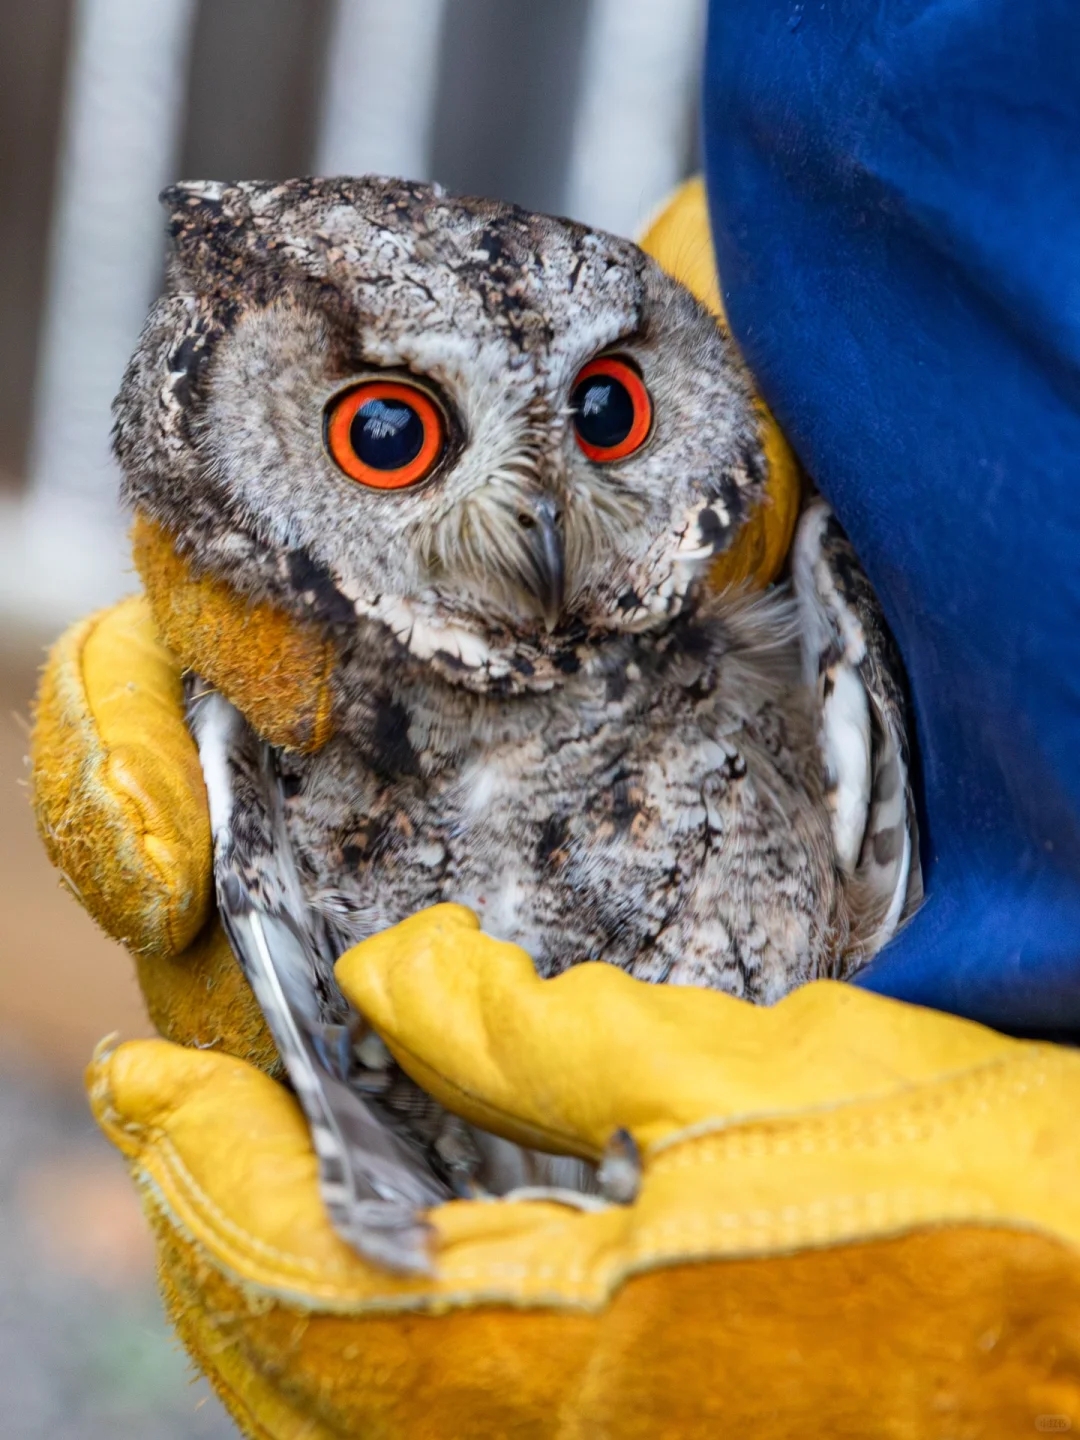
point(115, 774)
point(272, 667)
point(200, 998)
point(438, 987)
point(680, 242)
point(837, 1162)
point(121, 807)
point(962, 1331)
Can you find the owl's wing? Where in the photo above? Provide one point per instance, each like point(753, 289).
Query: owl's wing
point(373, 1183)
point(850, 656)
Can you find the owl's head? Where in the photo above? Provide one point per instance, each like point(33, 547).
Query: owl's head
point(499, 437)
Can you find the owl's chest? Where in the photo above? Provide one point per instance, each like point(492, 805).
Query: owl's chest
point(645, 841)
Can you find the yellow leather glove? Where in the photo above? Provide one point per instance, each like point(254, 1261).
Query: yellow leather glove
point(856, 1218)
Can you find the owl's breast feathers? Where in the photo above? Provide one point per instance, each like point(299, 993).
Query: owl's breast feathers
point(665, 808)
point(662, 810)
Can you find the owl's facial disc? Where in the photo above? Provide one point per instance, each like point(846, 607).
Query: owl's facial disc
point(527, 554)
point(520, 543)
point(503, 437)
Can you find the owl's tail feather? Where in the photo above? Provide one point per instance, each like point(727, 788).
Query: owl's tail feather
point(374, 1184)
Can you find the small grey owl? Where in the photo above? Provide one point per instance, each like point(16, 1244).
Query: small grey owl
point(495, 454)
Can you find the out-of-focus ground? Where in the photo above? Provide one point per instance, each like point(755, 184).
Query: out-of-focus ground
point(85, 1353)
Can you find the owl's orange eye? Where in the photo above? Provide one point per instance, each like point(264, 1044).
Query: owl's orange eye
point(612, 409)
point(385, 433)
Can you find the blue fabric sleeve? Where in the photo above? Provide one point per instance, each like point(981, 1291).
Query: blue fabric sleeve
point(895, 197)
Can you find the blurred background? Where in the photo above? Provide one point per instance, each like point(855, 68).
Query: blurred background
point(583, 107)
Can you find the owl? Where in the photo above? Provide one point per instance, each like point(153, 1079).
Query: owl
point(494, 455)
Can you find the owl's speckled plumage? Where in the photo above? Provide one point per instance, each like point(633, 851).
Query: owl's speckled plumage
point(619, 766)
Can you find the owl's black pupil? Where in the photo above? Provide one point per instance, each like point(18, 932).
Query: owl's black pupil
point(386, 434)
point(603, 411)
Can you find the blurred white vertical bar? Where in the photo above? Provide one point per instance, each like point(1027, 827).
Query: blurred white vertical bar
point(123, 109)
point(637, 107)
point(381, 76)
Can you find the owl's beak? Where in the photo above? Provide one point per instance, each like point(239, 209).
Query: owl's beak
point(544, 571)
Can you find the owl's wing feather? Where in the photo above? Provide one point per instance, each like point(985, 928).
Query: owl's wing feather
point(374, 1184)
point(851, 658)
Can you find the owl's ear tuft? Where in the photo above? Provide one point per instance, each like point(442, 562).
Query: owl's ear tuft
point(208, 220)
point(196, 205)
point(191, 193)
